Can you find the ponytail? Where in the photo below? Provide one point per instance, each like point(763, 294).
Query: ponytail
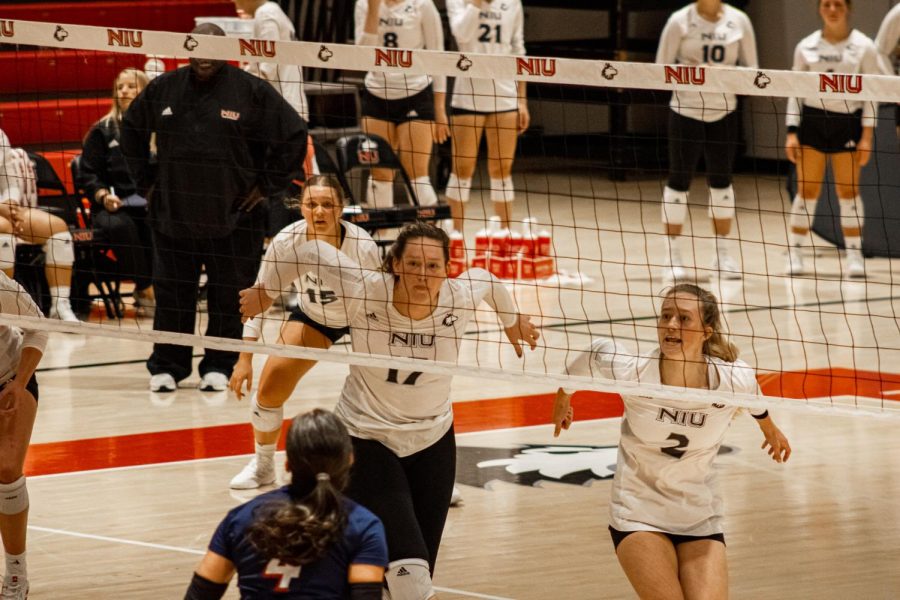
point(301, 529)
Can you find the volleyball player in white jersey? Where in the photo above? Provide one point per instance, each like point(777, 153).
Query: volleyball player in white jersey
point(20, 353)
point(839, 131)
point(665, 515)
point(496, 108)
point(319, 321)
point(408, 111)
point(401, 422)
point(886, 41)
point(707, 33)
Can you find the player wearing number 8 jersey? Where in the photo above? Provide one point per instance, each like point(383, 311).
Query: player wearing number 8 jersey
point(704, 33)
point(665, 509)
point(401, 421)
point(320, 320)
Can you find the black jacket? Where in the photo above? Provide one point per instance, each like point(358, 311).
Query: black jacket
point(103, 165)
point(217, 143)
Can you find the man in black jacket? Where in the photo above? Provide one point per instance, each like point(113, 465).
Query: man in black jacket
point(225, 141)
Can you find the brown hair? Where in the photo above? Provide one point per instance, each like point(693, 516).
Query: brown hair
point(326, 180)
point(410, 231)
point(300, 530)
point(717, 345)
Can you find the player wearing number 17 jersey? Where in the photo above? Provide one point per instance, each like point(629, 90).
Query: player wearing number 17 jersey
point(704, 34)
point(401, 420)
point(665, 502)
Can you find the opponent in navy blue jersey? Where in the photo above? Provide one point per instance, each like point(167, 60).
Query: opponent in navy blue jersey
point(305, 540)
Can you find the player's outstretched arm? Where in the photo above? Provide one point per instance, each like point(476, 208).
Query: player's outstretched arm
point(563, 413)
point(211, 578)
point(776, 442)
point(522, 331)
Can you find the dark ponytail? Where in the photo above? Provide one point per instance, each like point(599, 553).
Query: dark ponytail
point(301, 530)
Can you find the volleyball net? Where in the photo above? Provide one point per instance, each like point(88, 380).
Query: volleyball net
point(585, 254)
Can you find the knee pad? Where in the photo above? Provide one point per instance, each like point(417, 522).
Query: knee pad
point(409, 579)
point(265, 419)
point(14, 497)
point(380, 194)
point(721, 203)
point(458, 189)
point(425, 191)
point(7, 251)
point(502, 190)
point(60, 250)
point(851, 213)
point(802, 213)
point(674, 207)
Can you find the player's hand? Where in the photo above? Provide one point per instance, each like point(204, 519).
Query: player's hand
point(12, 396)
point(112, 203)
point(243, 372)
point(16, 216)
point(522, 331)
point(792, 147)
point(864, 150)
point(251, 200)
point(524, 116)
point(776, 443)
point(254, 301)
point(440, 129)
point(563, 413)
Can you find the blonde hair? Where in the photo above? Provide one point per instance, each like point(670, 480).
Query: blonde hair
point(717, 345)
point(114, 116)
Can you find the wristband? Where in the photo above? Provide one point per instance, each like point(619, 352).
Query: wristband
point(793, 129)
point(760, 417)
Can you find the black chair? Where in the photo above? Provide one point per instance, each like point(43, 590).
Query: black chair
point(93, 252)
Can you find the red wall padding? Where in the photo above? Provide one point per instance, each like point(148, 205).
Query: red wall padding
point(158, 15)
point(48, 122)
point(52, 71)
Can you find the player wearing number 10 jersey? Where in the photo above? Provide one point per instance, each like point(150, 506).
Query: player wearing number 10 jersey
point(401, 421)
point(704, 34)
point(665, 508)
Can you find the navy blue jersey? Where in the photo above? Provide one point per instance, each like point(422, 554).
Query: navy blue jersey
point(363, 543)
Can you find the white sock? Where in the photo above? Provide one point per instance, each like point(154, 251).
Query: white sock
point(15, 565)
point(724, 245)
point(853, 242)
point(265, 452)
point(60, 293)
point(673, 250)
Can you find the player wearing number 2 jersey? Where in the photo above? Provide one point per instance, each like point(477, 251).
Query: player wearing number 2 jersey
point(401, 421)
point(704, 34)
point(665, 508)
point(406, 110)
point(320, 321)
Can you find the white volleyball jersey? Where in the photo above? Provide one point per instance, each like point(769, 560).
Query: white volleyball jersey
point(888, 37)
point(494, 28)
point(14, 300)
point(318, 302)
point(405, 410)
point(410, 25)
point(854, 55)
point(664, 477)
point(689, 39)
point(270, 23)
point(18, 181)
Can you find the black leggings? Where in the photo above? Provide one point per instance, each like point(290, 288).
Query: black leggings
point(411, 495)
point(688, 138)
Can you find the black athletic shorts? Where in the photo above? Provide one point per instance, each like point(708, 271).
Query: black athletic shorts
point(31, 386)
point(466, 111)
point(618, 536)
point(830, 132)
point(332, 333)
point(418, 107)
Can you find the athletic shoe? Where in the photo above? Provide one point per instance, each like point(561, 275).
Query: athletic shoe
point(675, 273)
point(214, 382)
point(255, 474)
point(162, 382)
point(855, 264)
point(456, 497)
point(795, 262)
point(62, 310)
point(727, 267)
point(14, 588)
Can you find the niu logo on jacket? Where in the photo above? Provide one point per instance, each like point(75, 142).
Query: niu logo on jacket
point(7, 28)
point(537, 67)
point(686, 75)
point(841, 84)
point(393, 58)
point(126, 38)
point(257, 48)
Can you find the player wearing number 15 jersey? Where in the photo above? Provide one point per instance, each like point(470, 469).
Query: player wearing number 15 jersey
point(320, 321)
point(401, 421)
point(664, 499)
point(704, 34)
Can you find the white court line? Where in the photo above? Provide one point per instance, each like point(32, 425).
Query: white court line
point(113, 540)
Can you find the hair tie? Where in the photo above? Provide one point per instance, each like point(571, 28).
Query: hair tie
point(323, 477)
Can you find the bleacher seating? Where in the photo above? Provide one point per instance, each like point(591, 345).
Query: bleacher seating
point(159, 15)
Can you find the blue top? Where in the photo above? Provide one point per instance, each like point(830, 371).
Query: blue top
point(363, 543)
